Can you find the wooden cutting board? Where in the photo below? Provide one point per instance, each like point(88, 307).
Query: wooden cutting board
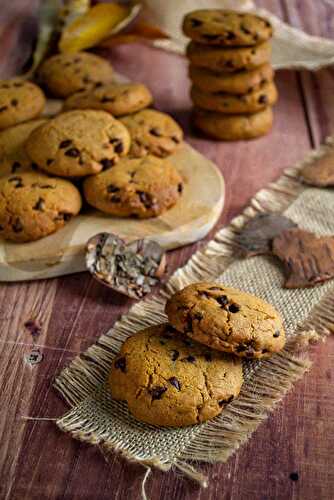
point(63, 252)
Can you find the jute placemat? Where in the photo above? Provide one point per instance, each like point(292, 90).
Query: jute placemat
point(309, 313)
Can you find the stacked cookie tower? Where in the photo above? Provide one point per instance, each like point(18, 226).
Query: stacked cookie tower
point(186, 371)
point(105, 139)
point(233, 89)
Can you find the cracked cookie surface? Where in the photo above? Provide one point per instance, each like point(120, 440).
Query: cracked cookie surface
point(78, 143)
point(13, 158)
point(117, 98)
point(227, 319)
point(172, 381)
point(137, 187)
point(228, 59)
point(65, 74)
point(34, 205)
point(226, 27)
point(20, 100)
point(252, 102)
point(152, 132)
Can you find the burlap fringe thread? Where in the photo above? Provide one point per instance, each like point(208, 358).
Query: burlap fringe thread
point(271, 380)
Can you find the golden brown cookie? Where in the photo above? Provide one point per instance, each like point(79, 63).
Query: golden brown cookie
point(34, 205)
point(171, 381)
point(237, 83)
point(20, 100)
point(227, 319)
point(78, 143)
point(228, 59)
point(233, 127)
point(138, 187)
point(256, 100)
point(117, 98)
point(65, 74)
point(13, 158)
point(152, 132)
point(226, 27)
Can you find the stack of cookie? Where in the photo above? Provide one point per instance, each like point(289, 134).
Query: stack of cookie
point(233, 89)
point(102, 124)
point(186, 371)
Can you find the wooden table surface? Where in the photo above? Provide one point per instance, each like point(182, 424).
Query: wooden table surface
point(37, 461)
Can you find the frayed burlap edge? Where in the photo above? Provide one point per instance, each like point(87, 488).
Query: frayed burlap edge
point(271, 380)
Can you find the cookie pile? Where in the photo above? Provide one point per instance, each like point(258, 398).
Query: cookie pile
point(232, 78)
point(186, 371)
point(105, 145)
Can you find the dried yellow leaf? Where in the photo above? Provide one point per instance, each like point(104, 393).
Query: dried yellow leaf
point(95, 25)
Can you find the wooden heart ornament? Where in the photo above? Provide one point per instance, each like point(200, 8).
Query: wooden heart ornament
point(128, 268)
point(308, 259)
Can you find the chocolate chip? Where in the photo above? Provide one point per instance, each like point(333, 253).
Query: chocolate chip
point(86, 79)
point(1, 228)
point(119, 148)
point(222, 301)
point(276, 334)
point(180, 188)
point(17, 226)
point(3, 108)
point(241, 348)
point(40, 205)
point(195, 23)
point(190, 359)
point(115, 199)
point(73, 153)
point(120, 364)
point(15, 166)
point(175, 355)
point(112, 189)
point(198, 316)
point(34, 166)
point(224, 402)
point(229, 64)
point(253, 51)
point(230, 35)
point(208, 356)
point(18, 84)
point(145, 198)
point(98, 84)
point(65, 216)
point(107, 163)
point(49, 161)
point(209, 36)
point(233, 308)
point(176, 139)
point(157, 392)
point(65, 143)
point(263, 99)
point(215, 288)
point(175, 383)
point(17, 181)
point(155, 131)
point(245, 30)
point(107, 99)
point(294, 476)
point(14, 102)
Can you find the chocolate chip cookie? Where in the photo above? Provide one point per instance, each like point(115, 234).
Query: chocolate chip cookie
point(226, 28)
point(13, 158)
point(171, 381)
point(228, 59)
point(237, 83)
point(233, 127)
point(20, 100)
point(78, 143)
point(227, 319)
point(253, 101)
point(152, 132)
point(65, 74)
point(117, 98)
point(34, 205)
point(137, 187)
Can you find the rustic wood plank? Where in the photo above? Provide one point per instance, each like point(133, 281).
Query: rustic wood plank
point(43, 463)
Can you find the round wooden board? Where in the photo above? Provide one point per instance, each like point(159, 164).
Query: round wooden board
point(63, 252)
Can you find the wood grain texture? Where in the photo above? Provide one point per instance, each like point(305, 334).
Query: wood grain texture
point(39, 462)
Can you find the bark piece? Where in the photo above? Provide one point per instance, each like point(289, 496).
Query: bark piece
point(257, 235)
point(321, 171)
point(308, 259)
point(131, 269)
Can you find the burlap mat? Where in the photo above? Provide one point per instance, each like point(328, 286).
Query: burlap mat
point(292, 48)
point(97, 419)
